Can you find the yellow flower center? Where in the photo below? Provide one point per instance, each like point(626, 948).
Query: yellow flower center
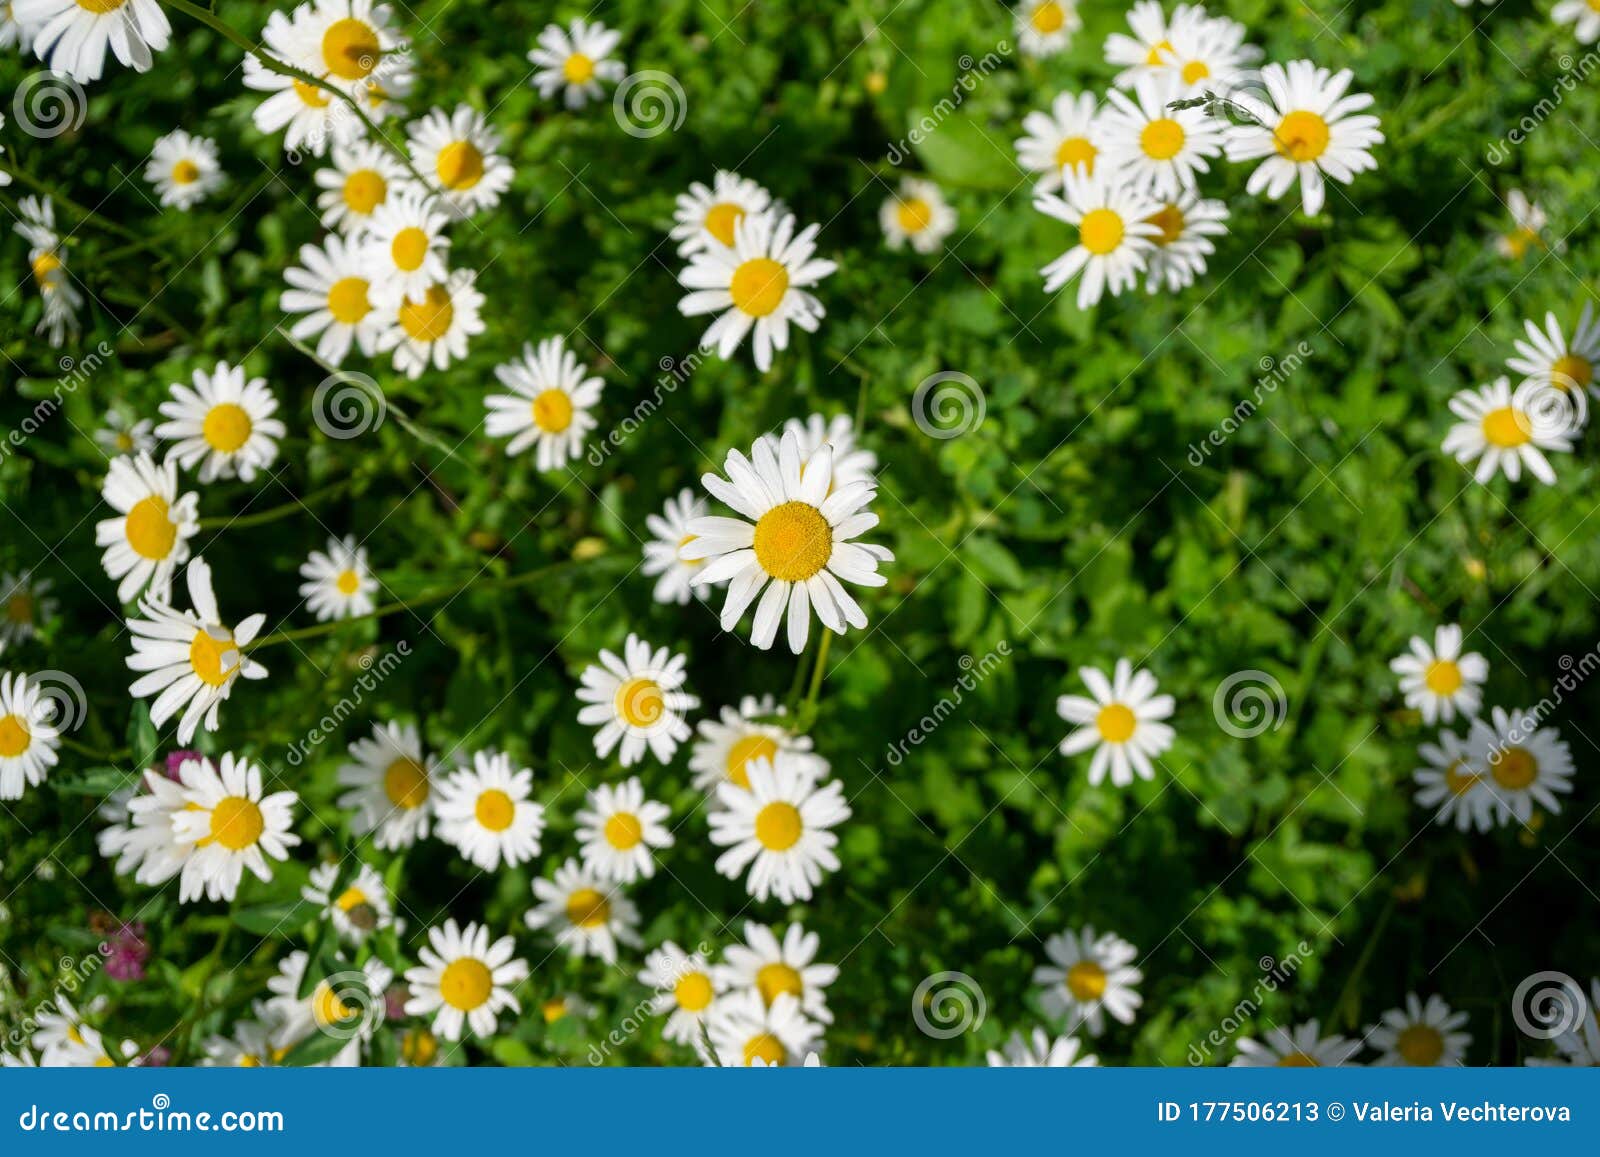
point(310, 95)
point(101, 7)
point(1523, 239)
point(1458, 779)
point(406, 784)
point(746, 749)
point(365, 190)
point(778, 826)
point(227, 427)
point(1571, 372)
point(206, 655)
point(1298, 1060)
point(578, 69)
point(1443, 677)
point(759, 285)
point(1301, 136)
point(1195, 71)
point(419, 1047)
point(793, 541)
point(466, 983)
point(19, 609)
point(1116, 722)
point(326, 1007)
point(14, 737)
point(185, 172)
point(1161, 139)
point(494, 810)
point(1100, 231)
point(1515, 770)
point(639, 702)
point(1420, 1044)
point(347, 300)
point(624, 831)
point(460, 165)
point(428, 320)
point(149, 531)
point(236, 824)
point(765, 1047)
point(1086, 980)
point(1047, 18)
point(552, 411)
point(693, 991)
point(1156, 54)
point(350, 898)
point(348, 582)
point(553, 1009)
point(350, 48)
point(1168, 219)
point(1075, 151)
point(1507, 427)
point(777, 978)
point(104, 1062)
point(721, 219)
point(914, 215)
point(44, 265)
point(409, 249)
point(587, 908)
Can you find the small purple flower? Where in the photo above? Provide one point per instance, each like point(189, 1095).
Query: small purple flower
point(394, 1002)
point(157, 1058)
point(175, 760)
point(126, 953)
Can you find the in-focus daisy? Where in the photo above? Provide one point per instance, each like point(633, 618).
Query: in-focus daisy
point(361, 177)
point(1158, 149)
point(1524, 763)
point(434, 326)
point(576, 59)
point(1582, 15)
point(342, 1005)
point(28, 737)
point(1186, 223)
point(47, 257)
point(587, 915)
point(26, 605)
point(356, 904)
point(192, 660)
point(1528, 222)
point(1452, 783)
point(391, 786)
point(1040, 1052)
point(725, 747)
point(406, 248)
point(548, 408)
point(486, 813)
point(793, 538)
point(636, 700)
point(347, 41)
point(224, 424)
point(310, 117)
point(1122, 722)
point(1046, 27)
point(1505, 430)
point(1440, 680)
point(124, 434)
point(459, 154)
point(1061, 140)
point(669, 532)
point(685, 990)
point(149, 536)
point(231, 826)
point(1307, 132)
point(1115, 236)
point(780, 828)
point(1420, 1034)
point(146, 845)
point(1143, 52)
point(1548, 358)
point(746, 1032)
point(338, 583)
point(705, 216)
point(770, 969)
point(1302, 1046)
point(619, 832)
point(464, 980)
point(762, 282)
point(1089, 975)
point(331, 289)
point(918, 213)
point(72, 35)
point(184, 169)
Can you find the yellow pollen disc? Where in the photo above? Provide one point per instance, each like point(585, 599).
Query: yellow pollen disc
point(776, 979)
point(409, 249)
point(101, 7)
point(1301, 136)
point(227, 427)
point(1154, 56)
point(44, 265)
point(914, 215)
point(553, 1009)
point(125, 442)
point(721, 219)
point(1100, 231)
point(624, 831)
point(1086, 980)
point(148, 529)
point(104, 1062)
point(310, 95)
point(1298, 1061)
point(587, 908)
point(1168, 219)
point(466, 983)
point(494, 810)
point(693, 991)
point(347, 300)
point(1523, 240)
point(1075, 151)
point(778, 826)
point(1116, 722)
point(406, 784)
point(1571, 372)
point(1515, 770)
point(185, 172)
point(205, 656)
point(746, 749)
point(765, 1047)
point(639, 702)
point(428, 320)
point(14, 737)
point(1420, 1044)
point(758, 286)
point(326, 1007)
point(349, 898)
point(1458, 779)
point(460, 165)
point(552, 411)
point(249, 1061)
point(365, 190)
point(1507, 427)
point(348, 582)
point(74, 1034)
point(1195, 71)
point(418, 1047)
point(350, 48)
point(1048, 18)
point(20, 608)
point(1161, 139)
point(236, 824)
point(1443, 677)
point(578, 69)
point(793, 541)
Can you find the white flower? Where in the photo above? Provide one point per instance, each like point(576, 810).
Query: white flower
point(25, 607)
point(331, 289)
point(145, 845)
point(669, 532)
point(230, 825)
point(1121, 722)
point(12, 31)
point(1186, 224)
point(851, 461)
point(486, 813)
point(1302, 1046)
point(459, 154)
point(1141, 53)
point(780, 828)
point(1061, 140)
point(1040, 1052)
point(123, 434)
point(1583, 17)
point(1115, 236)
point(1581, 1046)
point(64, 1041)
point(28, 737)
point(585, 914)
point(1440, 680)
point(434, 326)
point(918, 213)
point(1089, 975)
point(706, 217)
point(1158, 149)
point(183, 169)
point(391, 786)
point(347, 42)
point(637, 701)
point(342, 1005)
point(552, 394)
point(619, 832)
point(1504, 430)
point(1420, 1034)
point(1549, 359)
point(356, 910)
point(338, 583)
point(1524, 763)
point(576, 59)
point(1046, 27)
point(725, 748)
point(250, 1044)
point(224, 424)
point(745, 1032)
point(1528, 221)
point(1205, 53)
point(770, 969)
point(362, 176)
point(48, 258)
point(72, 36)
point(685, 990)
point(310, 117)
point(464, 980)
point(406, 248)
point(1453, 783)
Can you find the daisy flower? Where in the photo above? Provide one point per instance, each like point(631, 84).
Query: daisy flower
point(249, 1046)
point(149, 536)
point(123, 434)
point(918, 213)
point(358, 909)
point(1528, 221)
point(1040, 1052)
point(585, 914)
point(28, 741)
point(183, 169)
point(576, 60)
point(338, 584)
point(1440, 680)
point(1302, 1046)
point(231, 826)
point(308, 115)
point(794, 531)
point(1524, 764)
point(1504, 430)
point(1420, 1034)
point(12, 31)
point(779, 828)
point(1122, 722)
point(685, 990)
point(619, 831)
point(1452, 783)
point(770, 969)
point(704, 217)
point(146, 845)
point(73, 36)
point(1141, 53)
point(761, 282)
point(1205, 52)
point(331, 290)
point(361, 177)
point(1061, 140)
point(342, 1005)
point(1046, 27)
point(224, 424)
point(1186, 223)
point(1157, 149)
point(464, 980)
point(406, 246)
point(669, 533)
point(346, 41)
point(552, 394)
point(1582, 15)
point(1089, 975)
point(636, 701)
point(726, 746)
point(746, 1032)
point(25, 607)
point(192, 661)
point(1549, 359)
point(391, 786)
point(851, 462)
point(485, 812)
point(1115, 236)
point(461, 153)
point(434, 326)
point(48, 259)
point(1307, 132)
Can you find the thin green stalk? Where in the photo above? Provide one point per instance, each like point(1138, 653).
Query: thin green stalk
point(273, 514)
point(57, 197)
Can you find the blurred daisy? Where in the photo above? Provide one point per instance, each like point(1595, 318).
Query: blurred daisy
point(1141, 53)
point(726, 747)
point(851, 462)
point(779, 828)
point(22, 1058)
point(361, 177)
point(47, 257)
point(338, 584)
point(1440, 680)
point(619, 831)
point(1061, 140)
point(1452, 783)
point(391, 786)
point(347, 41)
point(585, 914)
point(192, 660)
point(460, 153)
point(231, 826)
point(1046, 27)
point(796, 543)
point(28, 735)
point(762, 282)
point(1186, 224)
point(576, 60)
point(669, 532)
point(123, 434)
point(434, 326)
point(1549, 359)
point(705, 216)
point(918, 213)
point(1528, 222)
point(12, 32)
point(1122, 722)
point(1089, 975)
point(342, 1005)
point(183, 168)
point(149, 536)
point(552, 394)
point(1504, 430)
point(1582, 15)
point(1306, 134)
point(406, 247)
point(685, 990)
point(464, 980)
point(330, 288)
point(1302, 1046)
point(310, 117)
point(770, 969)
point(1115, 237)
point(485, 812)
point(1159, 150)
point(1203, 52)
point(249, 1044)
point(1420, 1034)
point(1040, 1052)
point(25, 606)
point(746, 1032)
point(224, 424)
point(72, 35)
point(356, 910)
point(1524, 764)
point(636, 701)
